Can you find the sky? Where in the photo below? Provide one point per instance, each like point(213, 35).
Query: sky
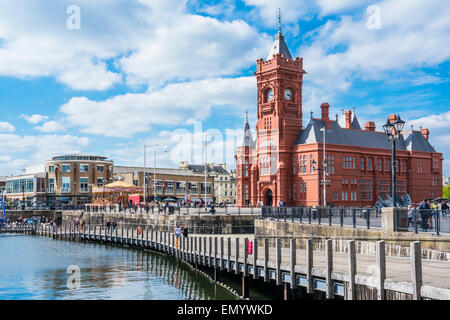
point(107, 77)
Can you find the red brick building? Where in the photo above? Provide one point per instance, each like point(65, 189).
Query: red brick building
point(276, 166)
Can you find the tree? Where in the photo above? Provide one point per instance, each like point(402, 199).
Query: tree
point(446, 191)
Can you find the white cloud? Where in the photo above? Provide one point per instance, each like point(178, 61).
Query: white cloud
point(291, 11)
point(333, 6)
point(50, 126)
point(145, 41)
point(345, 50)
point(174, 105)
point(6, 127)
point(34, 119)
point(21, 151)
point(207, 48)
point(438, 125)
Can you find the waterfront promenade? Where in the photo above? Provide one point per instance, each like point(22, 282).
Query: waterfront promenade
point(290, 262)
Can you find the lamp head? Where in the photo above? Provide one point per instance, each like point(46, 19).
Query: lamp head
point(388, 128)
point(399, 124)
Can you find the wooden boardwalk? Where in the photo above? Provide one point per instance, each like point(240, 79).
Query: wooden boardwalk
point(289, 262)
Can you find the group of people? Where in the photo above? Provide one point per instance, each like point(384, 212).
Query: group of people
point(111, 225)
point(426, 211)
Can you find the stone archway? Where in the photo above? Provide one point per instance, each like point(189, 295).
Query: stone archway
point(268, 199)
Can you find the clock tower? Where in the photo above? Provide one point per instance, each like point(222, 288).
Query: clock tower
point(279, 84)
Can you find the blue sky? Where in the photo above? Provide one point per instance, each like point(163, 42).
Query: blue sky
point(148, 71)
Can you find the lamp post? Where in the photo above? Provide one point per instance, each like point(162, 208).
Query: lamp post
point(393, 128)
point(206, 168)
point(145, 170)
point(313, 166)
point(154, 176)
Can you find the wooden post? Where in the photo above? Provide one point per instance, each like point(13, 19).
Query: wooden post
point(381, 269)
point(255, 258)
point(309, 264)
point(221, 253)
point(416, 269)
point(215, 253)
point(245, 286)
point(210, 252)
point(329, 281)
point(229, 254)
point(293, 262)
point(266, 260)
point(151, 238)
point(278, 262)
point(236, 256)
point(126, 239)
point(200, 252)
point(116, 230)
point(245, 257)
point(191, 248)
point(142, 238)
point(196, 251)
point(204, 252)
point(351, 270)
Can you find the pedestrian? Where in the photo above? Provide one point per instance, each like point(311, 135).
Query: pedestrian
point(178, 234)
point(411, 213)
point(424, 210)
point(114, 224)
point(185, 232)
point(444, 208)
point(435, 212)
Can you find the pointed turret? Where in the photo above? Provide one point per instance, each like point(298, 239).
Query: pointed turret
point(279, 46)
point(248, 139)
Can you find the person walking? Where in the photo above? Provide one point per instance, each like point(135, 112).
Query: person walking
point(424, 210)
point(177, 234)
point(444, 208)
point(434, 213)
point(185, 232)
point(411, 213)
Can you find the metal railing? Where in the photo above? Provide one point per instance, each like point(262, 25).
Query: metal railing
point(425, 220)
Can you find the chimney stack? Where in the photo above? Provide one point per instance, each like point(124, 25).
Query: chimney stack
point(325, 111)
point(425, 132)
point(348, 119)
point(392, 118)
point(369, 126)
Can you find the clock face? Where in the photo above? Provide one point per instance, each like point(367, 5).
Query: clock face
point(287, 94)
point(270, 95)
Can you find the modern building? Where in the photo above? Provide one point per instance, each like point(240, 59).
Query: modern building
point(71, 178)
point(445, 180)
point(3, 187)
point(224, 181)
point(283, 163)
point(177, 184)
point(28, 189)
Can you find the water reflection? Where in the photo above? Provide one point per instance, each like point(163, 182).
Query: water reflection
point(36, 268)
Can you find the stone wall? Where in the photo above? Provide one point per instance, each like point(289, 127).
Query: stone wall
point(397, 243)
point(205, 223)
point(50, 214)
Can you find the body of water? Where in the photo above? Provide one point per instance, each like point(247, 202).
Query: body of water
point(35, 268)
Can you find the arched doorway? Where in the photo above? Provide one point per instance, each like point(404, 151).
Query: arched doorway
point(269, 198)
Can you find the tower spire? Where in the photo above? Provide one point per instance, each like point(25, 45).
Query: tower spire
point(279, 20)
point(279, 46)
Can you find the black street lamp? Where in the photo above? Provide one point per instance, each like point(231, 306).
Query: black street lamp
point(393, 130)
point(313, 166)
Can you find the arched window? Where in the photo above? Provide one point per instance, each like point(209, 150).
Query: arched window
point(363, 162)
